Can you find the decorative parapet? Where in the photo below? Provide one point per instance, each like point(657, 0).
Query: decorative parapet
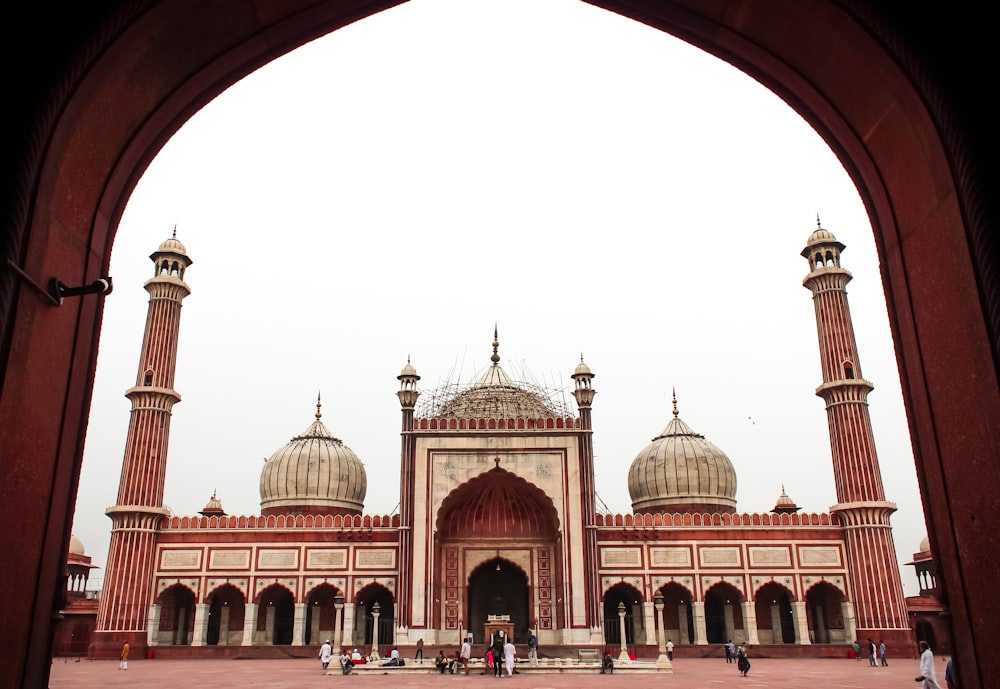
point(513, 424)
point(286, 521)
point(713, 520)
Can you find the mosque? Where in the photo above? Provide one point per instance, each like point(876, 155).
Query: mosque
point(497, 527)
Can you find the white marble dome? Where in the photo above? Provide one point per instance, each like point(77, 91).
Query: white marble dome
point(680, 471)
point(315, 473)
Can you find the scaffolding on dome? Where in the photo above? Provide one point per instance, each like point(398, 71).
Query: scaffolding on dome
point(477, 401)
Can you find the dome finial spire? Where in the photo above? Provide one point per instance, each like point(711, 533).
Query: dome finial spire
point(175, 231)
point(673, 390)
point(818, 226)
point(496, 344)
point(319, 406)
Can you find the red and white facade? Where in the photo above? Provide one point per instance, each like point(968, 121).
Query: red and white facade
point(498, 527)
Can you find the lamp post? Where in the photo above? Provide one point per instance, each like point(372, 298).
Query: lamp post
point(623, 656)
point(376, 609)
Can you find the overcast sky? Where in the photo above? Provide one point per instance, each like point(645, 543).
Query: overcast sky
point(588, 184)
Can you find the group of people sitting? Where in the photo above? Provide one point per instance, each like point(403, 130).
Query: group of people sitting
point(349, 660)
point(500, 656)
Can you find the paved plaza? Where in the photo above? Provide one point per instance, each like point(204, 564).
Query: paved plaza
point(307, 674)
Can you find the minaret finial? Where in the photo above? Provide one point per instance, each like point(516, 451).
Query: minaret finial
point(496, 344)
point(674, 391)
point(319, 407)
point(175, 230)
point(818, 226)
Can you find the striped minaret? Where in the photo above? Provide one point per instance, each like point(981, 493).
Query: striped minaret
point(862, 509)
point(136, 516)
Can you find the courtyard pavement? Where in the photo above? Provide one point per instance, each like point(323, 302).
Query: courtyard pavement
point(307, 674)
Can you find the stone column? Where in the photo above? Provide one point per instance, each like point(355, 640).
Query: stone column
point(153, 626)
point(180, 630)
point(623, 656)
point(776, 635)
point(727, 614)
point(338, 621)
point(224, 616)
point(249, 624)
point(750, 623)
point(661, 659)
point(821, 635)
point(682, 625)
point(376, 610)
point(647, 613)
point(299, 625)
point(314, 631)
point(850, 626)
point(200, 625)
point(269, 625)
point(801, 623)
point(700, 632)
point(349, 610)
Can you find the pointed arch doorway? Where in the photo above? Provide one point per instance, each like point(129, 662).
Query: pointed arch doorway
point(499, 535)
point(499, 588)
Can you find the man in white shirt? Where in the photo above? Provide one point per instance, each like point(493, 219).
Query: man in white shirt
point(509, 654)
point(465, 654)
point(927, 673)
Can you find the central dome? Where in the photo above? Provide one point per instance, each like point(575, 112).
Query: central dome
point(680, 471)
point(315, 473)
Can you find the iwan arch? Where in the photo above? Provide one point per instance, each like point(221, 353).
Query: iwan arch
point(128, 79)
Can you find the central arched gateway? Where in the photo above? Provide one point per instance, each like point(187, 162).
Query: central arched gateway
point(500, 533)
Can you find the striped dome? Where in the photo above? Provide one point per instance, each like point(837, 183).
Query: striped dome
point(315, 473)
point(680, 471)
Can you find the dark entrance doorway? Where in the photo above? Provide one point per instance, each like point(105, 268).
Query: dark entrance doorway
point(498, 587)
point(277, 615)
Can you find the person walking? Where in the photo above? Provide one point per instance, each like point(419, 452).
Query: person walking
point(420, 651)
point(509, 657)
point(670, 650)
point(742, 660)
point(325, 653)
point(123, 664)
point(498, 644)
point(881, 653)
point(464, 655)
point(927, 673)
point(532, 648)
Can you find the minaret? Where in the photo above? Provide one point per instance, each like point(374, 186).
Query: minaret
point(862, 508)
point(408, 395)
point(584, 394)
point(136, 516)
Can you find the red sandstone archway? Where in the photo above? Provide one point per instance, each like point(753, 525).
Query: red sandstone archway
point(497, 504)
point(836, 63)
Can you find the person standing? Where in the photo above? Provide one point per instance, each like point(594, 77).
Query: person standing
point(532, 648)
point(856, 647)
point(498, 644)
point(871, 653)
point(951, 674)
point(881, 653)
point(325, 653)
point(927, 673)
point(464, 655)
point(729, 650)
point(123, 665)
point(420, 650)
point(509, 656)
point(670, 650)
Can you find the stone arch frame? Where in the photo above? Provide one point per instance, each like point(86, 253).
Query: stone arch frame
point(822, 618)
point(275, 615)
point(782, 630)
point(867, 92)
point(677, 608)
point(521, 617)
point(176, 622)
point(225, 628)
point(322, 618)
point(635, 622)
point(364, 600)
point(718, 626)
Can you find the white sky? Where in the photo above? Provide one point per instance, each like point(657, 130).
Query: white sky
point(587, 183)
